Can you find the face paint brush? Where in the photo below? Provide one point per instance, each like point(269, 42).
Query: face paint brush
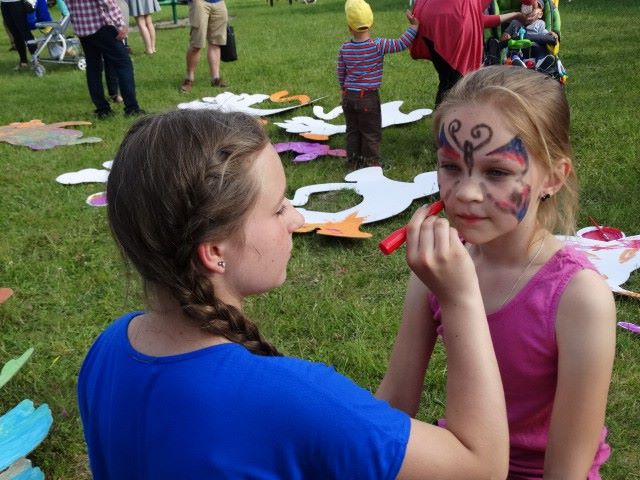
point(600, 229)
point(397, 238)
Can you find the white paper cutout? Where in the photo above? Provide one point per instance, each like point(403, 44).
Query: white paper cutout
point(89, 175)
point(382, 197)
point(233, 102)
point(615, 260)
point(391, 115)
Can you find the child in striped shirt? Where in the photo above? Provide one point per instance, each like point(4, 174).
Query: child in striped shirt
point(359, 69)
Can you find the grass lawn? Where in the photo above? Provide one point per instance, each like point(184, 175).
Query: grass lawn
point(343, 299)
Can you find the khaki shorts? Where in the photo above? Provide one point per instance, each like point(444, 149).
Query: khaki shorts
point(208, 23)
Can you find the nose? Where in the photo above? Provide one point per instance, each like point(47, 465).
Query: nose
point(470, 190)
point(297, 220)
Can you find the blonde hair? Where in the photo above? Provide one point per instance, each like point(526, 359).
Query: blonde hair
point(179, 179)
point(536, 107)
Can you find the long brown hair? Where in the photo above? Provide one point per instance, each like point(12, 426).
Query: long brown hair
point(536, 107)
point(179, 179)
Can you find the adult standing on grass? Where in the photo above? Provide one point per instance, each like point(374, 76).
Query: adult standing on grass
point(190, 388)
point(14, 16)
point(451, 36)
point(141, 10)
point(101, 28)
point(208, 20)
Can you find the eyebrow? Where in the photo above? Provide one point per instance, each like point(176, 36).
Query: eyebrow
point(514, 150)
point(448, 151)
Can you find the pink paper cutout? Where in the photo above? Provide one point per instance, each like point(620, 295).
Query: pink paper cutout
point(309, 150)
point(632, 327)
point(39, 136)
point(97, 199)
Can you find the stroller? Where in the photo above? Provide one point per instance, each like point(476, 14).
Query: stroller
point(55, 47)
point(522, 49)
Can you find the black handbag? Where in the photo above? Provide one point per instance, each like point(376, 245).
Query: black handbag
point(228, 52)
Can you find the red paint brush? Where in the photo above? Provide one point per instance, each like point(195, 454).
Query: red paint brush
point(600, 229)
point(397, 238)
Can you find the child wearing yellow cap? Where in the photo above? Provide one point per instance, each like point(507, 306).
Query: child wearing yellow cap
point(359, 69)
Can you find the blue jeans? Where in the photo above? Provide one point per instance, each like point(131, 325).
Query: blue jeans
point(104, 44)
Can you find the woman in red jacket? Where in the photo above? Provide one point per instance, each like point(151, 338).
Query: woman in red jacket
point(451, 33)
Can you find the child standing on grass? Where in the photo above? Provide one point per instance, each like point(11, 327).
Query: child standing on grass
point(507, 181)
point(360, 63)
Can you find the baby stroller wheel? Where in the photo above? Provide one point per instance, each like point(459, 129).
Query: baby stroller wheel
point(81, 63)
point(39, 69)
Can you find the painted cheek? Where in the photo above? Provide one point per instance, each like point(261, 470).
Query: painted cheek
point(514, 201)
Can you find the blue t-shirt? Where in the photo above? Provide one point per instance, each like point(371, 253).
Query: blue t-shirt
point(223, 412)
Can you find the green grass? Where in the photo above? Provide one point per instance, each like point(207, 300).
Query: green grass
point(342, 302)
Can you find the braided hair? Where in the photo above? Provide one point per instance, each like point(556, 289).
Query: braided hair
point(179, 179)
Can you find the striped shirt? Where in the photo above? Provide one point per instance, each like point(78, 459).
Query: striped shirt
point(360, 63)
point(89, 16)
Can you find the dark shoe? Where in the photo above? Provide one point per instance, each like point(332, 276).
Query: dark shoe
point(186, 86)
point(370, 162)
point(517, 62)
point(135, 112)
point(353, 162)
point(547, 65)
point(218, 82)
point(104, 114)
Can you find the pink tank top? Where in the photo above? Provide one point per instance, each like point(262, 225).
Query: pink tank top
point(524, 339)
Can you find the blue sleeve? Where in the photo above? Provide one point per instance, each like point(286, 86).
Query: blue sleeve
point(342, 428)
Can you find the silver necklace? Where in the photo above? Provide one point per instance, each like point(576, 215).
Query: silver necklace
point(515, 285)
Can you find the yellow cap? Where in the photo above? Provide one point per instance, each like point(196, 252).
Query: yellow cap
point(359, 15)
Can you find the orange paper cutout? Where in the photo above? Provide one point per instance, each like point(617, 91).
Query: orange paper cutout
point(5, 293)
point(627, 254)
point(315, 136)
point(348, 228)
point(281, 97)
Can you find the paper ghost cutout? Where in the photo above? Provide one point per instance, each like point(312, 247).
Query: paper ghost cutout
point(309, 150)
point(89, 175)
point(39, 136)
point(382, 198)
point(319, 129)
point(243, 102)
point(614, 260)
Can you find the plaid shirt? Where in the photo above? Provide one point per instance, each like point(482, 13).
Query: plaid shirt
point(89, 16)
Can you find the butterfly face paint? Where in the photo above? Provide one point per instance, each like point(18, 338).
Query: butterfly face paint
point(500, 175)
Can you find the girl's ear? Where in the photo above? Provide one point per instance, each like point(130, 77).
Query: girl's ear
point(211, 256)
point(557, 176)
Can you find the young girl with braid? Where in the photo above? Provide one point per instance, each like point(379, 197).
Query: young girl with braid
point(507, 181)
point(189, 388)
